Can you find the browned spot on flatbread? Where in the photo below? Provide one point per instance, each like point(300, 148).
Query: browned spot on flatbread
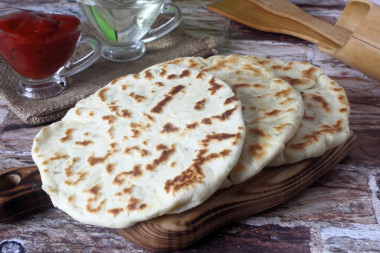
point(308, 73)
point(194, 174)
point(192, 64)
point(201, 75)
point(192, 126)
point(290, 110)
point(206, 121)
point(110, 167)
point(161, 147)
point(241, 85)
point(81, 175)
point(279, 128)
point(161, 104)
point(78, 111)
point(337, 89)
point(176, 89)
point(239, 167)
point(254, 131)
point(225, 115)
point(308, 117)
point(162, 72)
point(251, 69)
point(158, 108)
point(140, 126)
point(200, 104)
point(287, 100)
point(136, 133)
point(137, 98)
point(166, 153)
point(91, 209)
point(70, 198)
point(273, 113)
point(115, 211)
point(175, 61)
point(124, 87)
point(56, 156)
point(109, 118)
point(283, 93)
point(169, 128)
point(223, 64)
point(116, 80)
point(220, 137)
point(184, 73)
point(113, 108)
point(231, 100)
point(314, 136)
point(187, 178)
point(225, 152)
point(343, 109)
point(342, 99)
point(276, 67)
point(295, 81)
point(102, 94)
point(214, 86)
point(256, 85)
point(143, 152)
point(257, 151)
point(172, 76)
point(69, 169)
point(148, 75)
point(111, 132)
point(321, 101)
point(91, 114)
point(134, 204)
point(134, 173)
point(264, 62)
point(84, 143)
point(68, 134)
point(125, 113)
point(125, 191)
point(159, 84)
point(93, 160)
point(150, 117)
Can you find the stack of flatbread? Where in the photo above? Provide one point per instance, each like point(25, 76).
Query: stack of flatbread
point(164, 140)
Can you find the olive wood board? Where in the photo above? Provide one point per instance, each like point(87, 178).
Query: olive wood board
point(21, 193)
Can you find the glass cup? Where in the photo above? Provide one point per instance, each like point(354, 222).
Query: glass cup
point(38, 47)
point(126, 24)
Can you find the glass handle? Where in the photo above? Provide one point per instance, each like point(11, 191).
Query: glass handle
point(167, 27)
point(72, 68)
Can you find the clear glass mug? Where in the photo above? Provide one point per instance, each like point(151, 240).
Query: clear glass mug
point(126, 24)
point(38, 47)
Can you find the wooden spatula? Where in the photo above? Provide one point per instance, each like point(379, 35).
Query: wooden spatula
point(281, 16)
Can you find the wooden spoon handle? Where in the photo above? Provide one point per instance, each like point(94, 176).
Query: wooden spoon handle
point(21, 193)
point(291, 11)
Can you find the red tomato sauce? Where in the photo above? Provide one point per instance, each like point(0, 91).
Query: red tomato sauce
point(37, 44)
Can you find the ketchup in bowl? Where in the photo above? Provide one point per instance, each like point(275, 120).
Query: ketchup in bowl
point(37, 44)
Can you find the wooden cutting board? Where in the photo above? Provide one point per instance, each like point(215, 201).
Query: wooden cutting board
point(21, 193)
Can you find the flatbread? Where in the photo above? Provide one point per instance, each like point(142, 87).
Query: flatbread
point(325, 123)
point(148, 144)
point(272, 109)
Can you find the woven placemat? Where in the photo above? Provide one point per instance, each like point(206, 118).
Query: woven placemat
point(176, 44)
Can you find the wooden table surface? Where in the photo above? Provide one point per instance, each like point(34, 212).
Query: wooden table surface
point(339, 213)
